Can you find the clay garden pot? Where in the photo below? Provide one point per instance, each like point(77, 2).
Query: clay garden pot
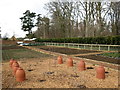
point(15, 63)
point(70, 62)
point(11, 62)
point(60, 60)
point(100, 72)
point(20, 75)
point(81, 66)
point(15, 69)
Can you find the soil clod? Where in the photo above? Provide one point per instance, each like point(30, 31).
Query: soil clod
point(74, 76)
point(106, 72)
point(42, 80)
point(30, 70)
point(81, 86)
point(90, 68)
point(49, 72)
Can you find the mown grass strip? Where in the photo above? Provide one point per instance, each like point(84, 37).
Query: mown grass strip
point(21, 53)
point(113, 54)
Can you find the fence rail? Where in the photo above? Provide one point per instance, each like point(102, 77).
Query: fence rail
point(99, 47)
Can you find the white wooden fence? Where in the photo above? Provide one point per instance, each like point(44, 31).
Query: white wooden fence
point(87, 46)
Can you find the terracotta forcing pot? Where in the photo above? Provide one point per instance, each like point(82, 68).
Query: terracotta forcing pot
point(15, 63)
point(60, 60)
point(81, 66)
point(100, 72)
point(70, 62)
point(20, 75)
point(15, 69)
point(11, 62)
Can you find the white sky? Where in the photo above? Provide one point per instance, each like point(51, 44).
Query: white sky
point(12, 10)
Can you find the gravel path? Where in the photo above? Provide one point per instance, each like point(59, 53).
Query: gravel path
point(60, 76)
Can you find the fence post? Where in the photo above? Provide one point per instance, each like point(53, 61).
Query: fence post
point(78, 46)
point(84, 46)
point(91, 47)
point(99, 47)
point(108, 48)
point(68, 44)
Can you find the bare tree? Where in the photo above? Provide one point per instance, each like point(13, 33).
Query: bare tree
point(81, 19)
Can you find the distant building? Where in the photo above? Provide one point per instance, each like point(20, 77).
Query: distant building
point(13, 38)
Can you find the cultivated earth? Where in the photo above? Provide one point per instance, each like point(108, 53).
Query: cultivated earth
point(42, 71)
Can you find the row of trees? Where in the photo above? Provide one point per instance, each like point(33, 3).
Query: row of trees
point(76, 19)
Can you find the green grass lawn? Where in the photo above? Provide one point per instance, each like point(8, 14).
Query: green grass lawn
point(113, 54)
point(21, 53)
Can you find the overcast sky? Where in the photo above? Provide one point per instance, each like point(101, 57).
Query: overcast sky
point(12, 10)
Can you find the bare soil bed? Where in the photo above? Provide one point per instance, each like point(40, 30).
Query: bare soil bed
point(64, 50)
point(101, 58)
point(46, 73)
point(69, 51)
point(7, 47)
point(8, 42)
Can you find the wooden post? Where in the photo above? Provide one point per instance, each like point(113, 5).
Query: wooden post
point(108, 48)
point(84, 46)
point(73, 45)
point(91, 47)
point(68, 45)
point(99, 47)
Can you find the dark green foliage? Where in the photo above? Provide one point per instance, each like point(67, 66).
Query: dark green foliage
point(28, 21)
point(114, 40)
point(30, 35)
point(5, 38)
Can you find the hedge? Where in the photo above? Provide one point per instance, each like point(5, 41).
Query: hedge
point(112, 40)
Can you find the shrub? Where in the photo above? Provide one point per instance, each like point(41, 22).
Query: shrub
point(114, 40)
